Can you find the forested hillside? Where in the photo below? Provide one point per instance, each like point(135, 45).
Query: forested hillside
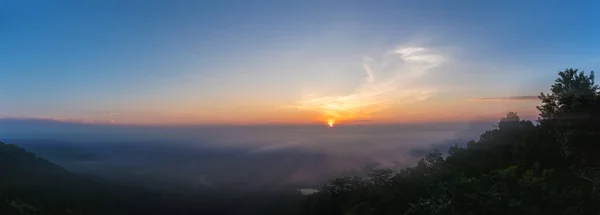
point(520, 167)
point(33, 185)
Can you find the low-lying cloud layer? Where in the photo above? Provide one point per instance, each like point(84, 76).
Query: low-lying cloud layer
point(223, 156)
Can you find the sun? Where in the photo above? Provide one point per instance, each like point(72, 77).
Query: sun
point(330, 122)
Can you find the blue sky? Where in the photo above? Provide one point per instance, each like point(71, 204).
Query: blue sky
point(233, 61)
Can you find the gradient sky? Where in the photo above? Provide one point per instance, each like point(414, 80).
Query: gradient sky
point(182, 62)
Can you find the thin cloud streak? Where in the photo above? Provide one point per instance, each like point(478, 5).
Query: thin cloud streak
point(509, 98)
point(388, 82)
point(55, 119)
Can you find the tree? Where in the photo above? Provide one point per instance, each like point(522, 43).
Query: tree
point(509, 121)
point(571, 114)
point(571, 91)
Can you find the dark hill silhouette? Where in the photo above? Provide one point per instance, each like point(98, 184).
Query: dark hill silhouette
point(36, 181)
point(24, 170)
point(33, 185)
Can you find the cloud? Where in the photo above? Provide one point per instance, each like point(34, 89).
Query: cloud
point(509, 98)
point(420, 55)
point(275, 147)
point(390, 81)
point(55, 119)
point(111, 114)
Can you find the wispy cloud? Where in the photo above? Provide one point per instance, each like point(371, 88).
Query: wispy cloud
point(60, 119)
point(392, 80)
point(110, 114)
point(509, 98)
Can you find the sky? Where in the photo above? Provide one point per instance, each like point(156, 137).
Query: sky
point(294, 62)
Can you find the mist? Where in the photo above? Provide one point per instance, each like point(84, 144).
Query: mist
point(233, 157)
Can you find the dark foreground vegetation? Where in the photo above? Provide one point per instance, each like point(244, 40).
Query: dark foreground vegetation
point(551, 166)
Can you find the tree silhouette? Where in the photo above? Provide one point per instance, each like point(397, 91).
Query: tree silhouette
point(571, 112)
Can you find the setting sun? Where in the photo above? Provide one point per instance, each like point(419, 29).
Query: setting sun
point(330, 122)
